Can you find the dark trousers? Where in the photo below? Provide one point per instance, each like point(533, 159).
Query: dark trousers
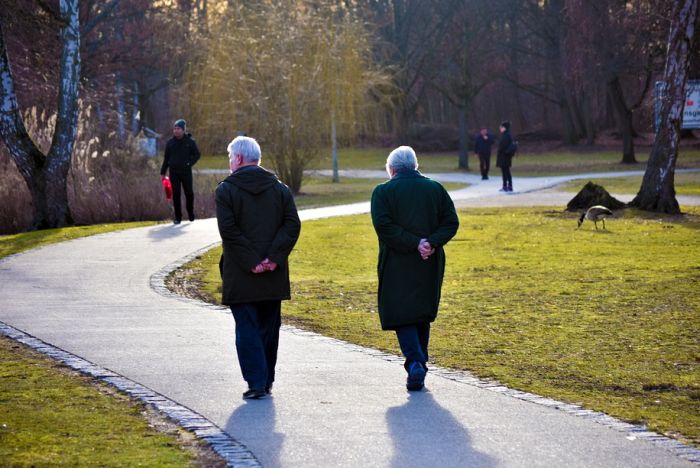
point(257, 338)
point(413, 340)
point(507, 177)
point(184, 180)
point(484, 164)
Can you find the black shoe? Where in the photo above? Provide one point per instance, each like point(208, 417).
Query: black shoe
point(484, 178)
point(416, 376)
point(177, 221)
point(191, 218)
point(268, 389)
point(254, 394)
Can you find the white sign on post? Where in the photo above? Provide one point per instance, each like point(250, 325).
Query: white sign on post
point(691, 112)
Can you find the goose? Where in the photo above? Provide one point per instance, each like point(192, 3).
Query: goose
point(595, 213)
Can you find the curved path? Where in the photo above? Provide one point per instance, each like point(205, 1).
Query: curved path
point(334, 404)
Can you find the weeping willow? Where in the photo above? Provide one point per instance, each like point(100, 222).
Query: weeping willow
point(286, 73)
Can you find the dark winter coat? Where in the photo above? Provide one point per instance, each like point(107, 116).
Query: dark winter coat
point(257, 219)
point(482, 146)
point(505, 150)
point(180, 155)
point(405, 209)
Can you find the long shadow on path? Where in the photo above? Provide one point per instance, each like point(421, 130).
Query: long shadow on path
point(426, 434)
point(257, 420)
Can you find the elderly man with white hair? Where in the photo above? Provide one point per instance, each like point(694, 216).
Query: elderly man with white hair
point(259, 227)
point(414, 217)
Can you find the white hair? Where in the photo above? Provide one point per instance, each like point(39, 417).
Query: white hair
point(246, 147)
point(402, 158)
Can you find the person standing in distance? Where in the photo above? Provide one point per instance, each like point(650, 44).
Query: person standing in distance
point(414, 217)
point(482, 148)
point(259, 226)
point(504, 159)
point(181, 153)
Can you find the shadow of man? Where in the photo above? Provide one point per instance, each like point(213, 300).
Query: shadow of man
point(253, 424)
point(426, 434)
point(166, 231)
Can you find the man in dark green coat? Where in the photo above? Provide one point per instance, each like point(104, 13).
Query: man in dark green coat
point(259, 226)
point(414, 217)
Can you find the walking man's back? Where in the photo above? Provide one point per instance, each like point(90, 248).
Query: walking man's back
point(259, 227)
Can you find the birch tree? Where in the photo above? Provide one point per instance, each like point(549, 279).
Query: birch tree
point(46, 174)
point(657, 192)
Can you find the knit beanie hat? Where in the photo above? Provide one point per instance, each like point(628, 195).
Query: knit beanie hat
point(505, 124)
point(180, 123)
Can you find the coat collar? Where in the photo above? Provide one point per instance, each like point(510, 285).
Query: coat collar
point(408, 174)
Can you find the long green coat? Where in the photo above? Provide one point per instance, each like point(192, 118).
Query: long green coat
point(406, 209)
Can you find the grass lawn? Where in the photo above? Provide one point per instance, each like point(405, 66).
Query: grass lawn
point(524, 164)
point(321, 191)
point(686, 184)
point(15, 243)
point(607, 319)
point(50, 416)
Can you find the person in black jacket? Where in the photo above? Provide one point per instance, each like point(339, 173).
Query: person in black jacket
point(181, 153)
point(259, 226)
point(482, 147)
point(506, 151)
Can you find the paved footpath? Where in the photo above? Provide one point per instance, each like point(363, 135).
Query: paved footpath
point(335, 404)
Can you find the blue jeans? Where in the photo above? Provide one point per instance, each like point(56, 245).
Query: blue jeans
point(257, 339)
point(413, 340)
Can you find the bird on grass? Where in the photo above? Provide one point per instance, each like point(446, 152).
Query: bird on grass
point(595, 213)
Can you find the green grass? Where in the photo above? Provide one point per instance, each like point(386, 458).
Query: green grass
point(685, 184)
point(607, 319)
point(319, 191)
point(51, 418)
point(15, 243)
point(524, 164)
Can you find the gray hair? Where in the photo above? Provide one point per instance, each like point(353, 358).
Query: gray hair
point(402, 158)
point(246, 147)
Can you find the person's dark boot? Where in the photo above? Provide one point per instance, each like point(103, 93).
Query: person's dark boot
point(416, 377)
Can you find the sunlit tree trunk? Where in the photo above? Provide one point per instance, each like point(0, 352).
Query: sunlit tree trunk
point(657, 192)
point(46, 175)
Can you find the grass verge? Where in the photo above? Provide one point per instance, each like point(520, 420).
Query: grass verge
point(50, 415)
point(15, 243)
point(685, 184)
point(607, 319)
point(524, 164)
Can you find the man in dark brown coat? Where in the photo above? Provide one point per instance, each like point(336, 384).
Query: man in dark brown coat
point(259, 227)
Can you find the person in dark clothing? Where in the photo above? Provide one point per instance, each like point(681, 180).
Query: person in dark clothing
point(414, 217)
point(181, 153)
point(482, 147)
point(504, 159)
point(259, 226)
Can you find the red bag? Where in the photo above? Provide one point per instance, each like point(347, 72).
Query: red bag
point(168, 187)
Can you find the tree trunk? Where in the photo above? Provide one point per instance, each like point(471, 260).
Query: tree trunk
point(624, 119)
point(657, 192)
point(463, 141)
point(334, 149)
point(61, 151)
point(45, 176)
point(587, 110)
